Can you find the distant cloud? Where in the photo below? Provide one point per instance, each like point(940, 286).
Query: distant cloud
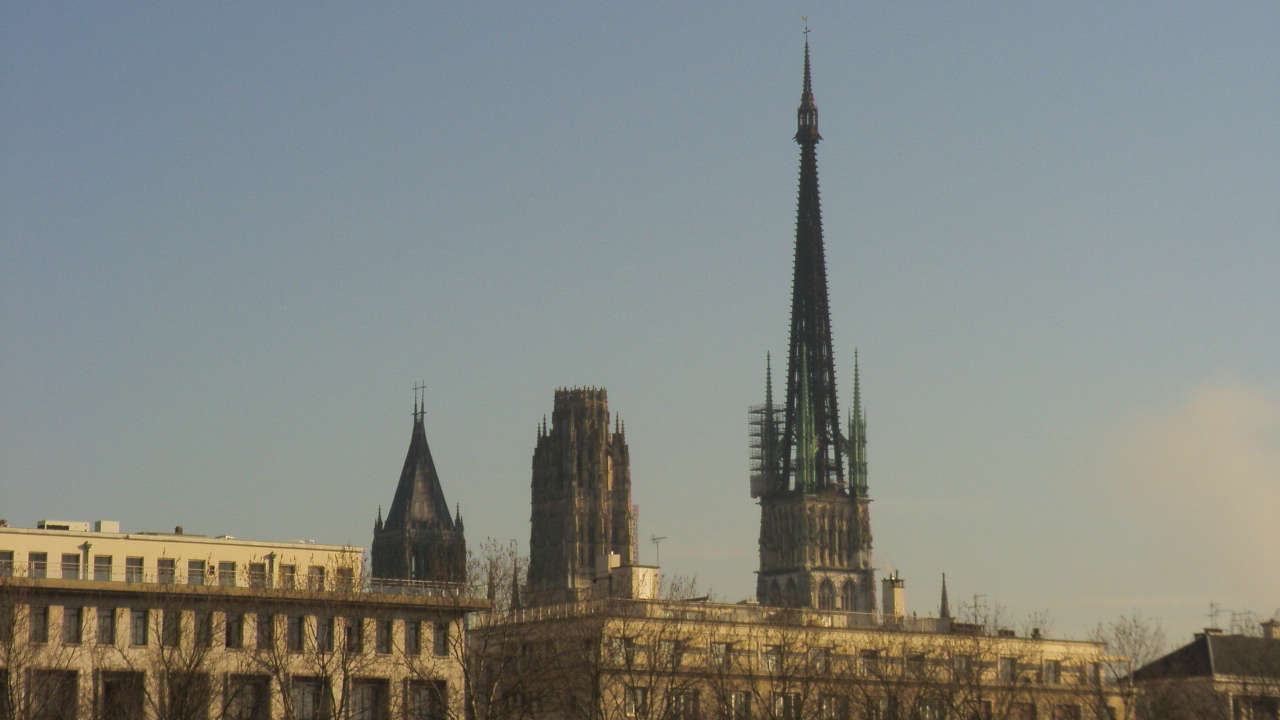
point(1202, 481)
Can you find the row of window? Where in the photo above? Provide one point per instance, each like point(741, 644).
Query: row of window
point(198, 572)
point(738, 705)
point(229, 630)
point(670, 653)
point(192, 695)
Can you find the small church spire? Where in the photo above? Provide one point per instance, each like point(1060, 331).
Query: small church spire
point(944, 610)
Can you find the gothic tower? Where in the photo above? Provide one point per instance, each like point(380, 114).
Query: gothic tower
point(419, 539)
point(581, 498)
point(815, 533)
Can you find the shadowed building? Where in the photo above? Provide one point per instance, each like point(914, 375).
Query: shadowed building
point(419, 539)
point(815, 531)
point(581, 490)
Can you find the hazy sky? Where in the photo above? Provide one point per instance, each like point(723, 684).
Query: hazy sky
point(234, 236)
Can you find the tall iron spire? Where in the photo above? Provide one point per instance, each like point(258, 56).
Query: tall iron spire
point(856, 443)
point(811, 365)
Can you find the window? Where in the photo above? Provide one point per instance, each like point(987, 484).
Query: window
point(247, 698)
point(1052, 672)
point(871, 662)
point(683, 705)
point(70, 566)
point(166, 574)
point(51, 694)
point(1093, 673)
point(773, 658)
point(669, 653)
point(195, 572)
point(962, 666)
point(315, 578)
point(310, 701)
point(346, 579)
point(123, 695)
point(980, 710)
point(266, 631)
point(204, 628)
point(820, 659)
point(1066, 712)
point(833, 707)
point(257, 575)
point(637, 701)
point(720, 654)
point(826, 596)
point(102, 568)
point(740, 705)
point(412, 637)
point(786, 705)
point(190, 694)
point(295, 631)
point(6, 626)
point(369, 699)
point(1022, 711)
point(171, 628)
point(441, 644)
point(37, 565)
point(1008, 669)
point(288, 577)
point(383, 639)
point(324, 634)
point(234, 631)
point(425, 700)
point(227, 574)
point(6, 563)
point(71, 625)
point(138, 627)
point(355, 635)
point(622, 650)
point(915, 664)
point(39, 624)
point(133, 569)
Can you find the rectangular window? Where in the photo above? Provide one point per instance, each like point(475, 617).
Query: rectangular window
point(133, 569)
point(683, 705)
point(669, 653)
point(740, 705)
point(915, 664)
point(1093, 673)
point(833, 707)
point(346, 579)
point(719, 654)
point(39, 630)
point(786, 705)
point(257, 575)
point(106, 626)
point(773, 658)
point(51, 694)
point(37, 565)
point(72, 624)
point(227, 574)
point(138, 627)
point(204, 628)
point(1022, 711)
point(370, 699)
point(622, 650)
point(310, 701)
point(248, 698)
point(441, 644)
point(1052, 672)
point(102, 568)
point(315, 578)
point(871, 662)
point(171, 628)
point(7, 617)
point(288, 577)
point(190, 694)
point(295, 632)
point(1008, 671)
point(962, 666)
point(123, 695)
point(412, 637)
point(266, 631)
point(383, 639)
point(195, 572)
point(166, 572)
point(820, 659)
point(70, 566)
point(234, 631)
point(6, 563)
point(324, 634)
point(426, 700)
point(355, 635)
point(636, 701)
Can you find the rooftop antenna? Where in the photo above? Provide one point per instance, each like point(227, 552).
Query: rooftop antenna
point(657, 548)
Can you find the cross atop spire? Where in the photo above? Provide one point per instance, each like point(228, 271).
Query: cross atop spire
point(807, 113)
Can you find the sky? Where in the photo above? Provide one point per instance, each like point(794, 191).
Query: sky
point(234, 236)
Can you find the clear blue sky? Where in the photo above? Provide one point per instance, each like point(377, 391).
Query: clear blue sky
point(234, 236)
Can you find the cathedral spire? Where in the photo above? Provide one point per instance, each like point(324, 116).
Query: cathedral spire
point(944, 609)
point(856, 443)
point(811, 363)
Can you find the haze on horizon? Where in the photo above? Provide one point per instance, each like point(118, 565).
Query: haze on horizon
point(233, 237)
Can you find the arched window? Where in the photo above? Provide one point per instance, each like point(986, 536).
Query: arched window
point(793, 597)
point(826, 596)
point(849, 595)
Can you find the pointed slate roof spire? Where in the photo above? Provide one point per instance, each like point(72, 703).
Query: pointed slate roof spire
point(857, 439)
point(419, 497)
point(944, 610)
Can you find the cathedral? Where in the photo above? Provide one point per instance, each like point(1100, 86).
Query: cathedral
point(815, 527)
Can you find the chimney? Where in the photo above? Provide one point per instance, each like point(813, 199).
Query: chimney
point(894, 597)
point(1270, 628)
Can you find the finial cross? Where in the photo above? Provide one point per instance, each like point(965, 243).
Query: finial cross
point(806, 27)
point(419, 397)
